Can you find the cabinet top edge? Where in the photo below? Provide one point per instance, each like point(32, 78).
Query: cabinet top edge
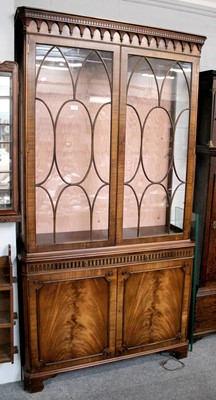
point(26, 15)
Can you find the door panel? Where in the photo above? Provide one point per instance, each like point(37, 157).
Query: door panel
point(75, 317)
point(153, 300)
point(209, 256)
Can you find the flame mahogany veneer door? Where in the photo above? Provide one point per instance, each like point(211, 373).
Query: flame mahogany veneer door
point(72, 318)
point(153, 305)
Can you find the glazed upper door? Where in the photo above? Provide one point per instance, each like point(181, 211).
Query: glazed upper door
point(156, 104)
point(76, 101)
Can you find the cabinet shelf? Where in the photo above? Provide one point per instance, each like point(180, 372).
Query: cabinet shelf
point(5, 355)
point(5, 275)
point(4, 284)
point(6, 309)
point(4, 319)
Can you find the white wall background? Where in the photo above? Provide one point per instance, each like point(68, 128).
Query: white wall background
point(197, 17)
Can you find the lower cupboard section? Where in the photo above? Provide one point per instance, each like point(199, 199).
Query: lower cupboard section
point(85, 317)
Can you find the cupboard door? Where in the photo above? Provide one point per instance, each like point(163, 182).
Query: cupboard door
point(72, 318)
point(208, 272)
point(153, 304)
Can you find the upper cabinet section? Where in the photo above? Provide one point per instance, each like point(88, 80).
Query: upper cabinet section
point(8, 142)
point(109, 133)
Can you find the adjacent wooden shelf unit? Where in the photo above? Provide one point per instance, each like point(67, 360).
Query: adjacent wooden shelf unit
point(205, 205)
point(9, 204)
point(7, 349)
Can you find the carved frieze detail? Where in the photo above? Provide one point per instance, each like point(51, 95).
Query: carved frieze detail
point(107, 261)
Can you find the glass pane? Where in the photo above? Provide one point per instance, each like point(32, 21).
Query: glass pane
point(44, 141)
point(157, 125)
point(5, 86)
point(73, 145)
point(5, 110)
point(101, 214)
point(153, 208)
point(5, 142)
point(155, 146)
point(44, 214)
point(133, 143)
point(5, 134)
point(102, 142)
point(73, 128)
point(93, 83)
point(5, 180)
point(54, 85)
point(72, 216)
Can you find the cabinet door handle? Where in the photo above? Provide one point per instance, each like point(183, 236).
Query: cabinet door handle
point(214, 224)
